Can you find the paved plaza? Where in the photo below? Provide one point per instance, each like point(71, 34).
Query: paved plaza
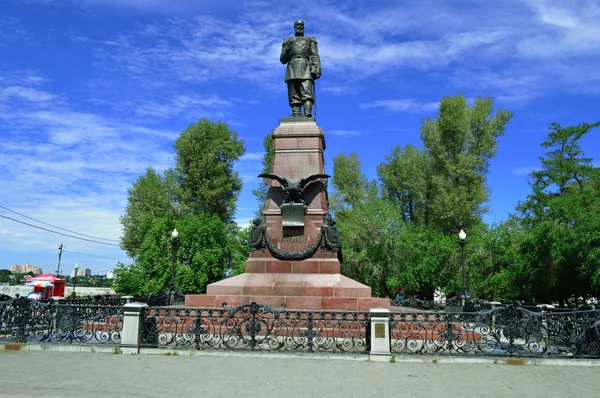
point(81, 375)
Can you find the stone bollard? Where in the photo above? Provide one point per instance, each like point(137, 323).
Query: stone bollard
point(132, 336)
point(380, 335)
point(128, 299)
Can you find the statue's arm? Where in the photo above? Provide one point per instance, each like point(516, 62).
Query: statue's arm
point(315, 60)
point(285, 54)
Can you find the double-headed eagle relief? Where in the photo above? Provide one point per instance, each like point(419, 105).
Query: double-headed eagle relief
point(294, 189)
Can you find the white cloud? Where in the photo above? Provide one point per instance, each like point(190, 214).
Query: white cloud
point(402, 105)
point(523, 171)
point(358, 42)
point(565, 30)
point(68, 168)
point(11, 30)
point(345, 133)
point(252, 156)
point(243, 222)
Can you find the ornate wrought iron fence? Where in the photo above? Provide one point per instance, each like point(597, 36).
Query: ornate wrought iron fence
point(256, 327)
point(505, 331)
point(25, 320)
point(95, 300)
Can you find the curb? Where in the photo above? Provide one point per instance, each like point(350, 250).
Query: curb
point(15, 347)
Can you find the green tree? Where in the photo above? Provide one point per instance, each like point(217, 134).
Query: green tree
point(150, 197)
point(131, 280)
point(240, 242)
point(205, 180)
point(494, 262)
point(5, 275)
point(459, 144)
point(198, 198)
point(203, 254)
point(561, 219)
point(349, 184)
point(261, 193)
point(406, 180)
point(403, 233)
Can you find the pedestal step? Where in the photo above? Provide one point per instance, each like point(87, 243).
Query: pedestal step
point(282, 284)
point(291, 302)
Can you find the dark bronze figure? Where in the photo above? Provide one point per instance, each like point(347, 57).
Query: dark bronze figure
point(301, 54)
point(257, 234)
point(332, 239)
point(293, 188)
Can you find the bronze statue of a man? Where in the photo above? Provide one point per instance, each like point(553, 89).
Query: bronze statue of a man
point(301, 54)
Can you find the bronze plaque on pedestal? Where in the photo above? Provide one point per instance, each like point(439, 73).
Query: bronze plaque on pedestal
point(292, 215)
point(380, 330)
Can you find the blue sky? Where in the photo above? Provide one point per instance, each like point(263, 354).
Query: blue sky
point(94, 91)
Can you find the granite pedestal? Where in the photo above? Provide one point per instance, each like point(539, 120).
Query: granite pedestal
point(314, 283)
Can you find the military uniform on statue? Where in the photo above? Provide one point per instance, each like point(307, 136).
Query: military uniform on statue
point(301, 54)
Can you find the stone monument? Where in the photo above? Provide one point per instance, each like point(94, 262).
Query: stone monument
point(295, 246)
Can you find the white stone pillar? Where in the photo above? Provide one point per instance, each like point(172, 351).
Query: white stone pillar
point(133, 324)
point(380, 335)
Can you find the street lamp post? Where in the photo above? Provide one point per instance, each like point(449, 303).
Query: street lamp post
point(74, 279)
point(60, 250)
point(462, 236)
point(174, 236)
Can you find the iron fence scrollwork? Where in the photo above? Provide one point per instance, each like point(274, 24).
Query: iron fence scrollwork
point(506, 331)
point(256, 327)
point(22, 319)
point(28, 320)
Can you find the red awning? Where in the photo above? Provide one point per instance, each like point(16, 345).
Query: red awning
point(45, 277)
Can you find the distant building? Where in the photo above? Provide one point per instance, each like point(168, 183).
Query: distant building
point(82, 272)
point(25, 268)
point(110, 274)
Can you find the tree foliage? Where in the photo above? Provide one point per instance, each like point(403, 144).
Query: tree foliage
point(402, 233)
point(205, 251)
point(261, 192)
point(406, 181)
point(444, 185)
point(561, 220)
point(350, 185)
point(205, 180)
point(198, 198)
point(150, 197)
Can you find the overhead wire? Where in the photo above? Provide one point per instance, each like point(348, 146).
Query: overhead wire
point(54, 226)
point(91, 255)
point(59, 233)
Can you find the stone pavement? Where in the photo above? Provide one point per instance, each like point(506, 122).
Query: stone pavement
point(82, 375)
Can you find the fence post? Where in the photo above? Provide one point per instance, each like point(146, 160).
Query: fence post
point(380, 335)
point(132, 327)
point(54, 302)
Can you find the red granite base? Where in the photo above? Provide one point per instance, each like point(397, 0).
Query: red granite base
point(258, 265)
point(297, 291)
point(283, 284)
point(315, 303)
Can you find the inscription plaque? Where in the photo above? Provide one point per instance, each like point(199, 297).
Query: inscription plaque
point(380, 330)
point(292, 215)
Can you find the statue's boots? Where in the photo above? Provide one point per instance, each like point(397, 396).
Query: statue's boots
point(296, 111)
point(308, 109)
